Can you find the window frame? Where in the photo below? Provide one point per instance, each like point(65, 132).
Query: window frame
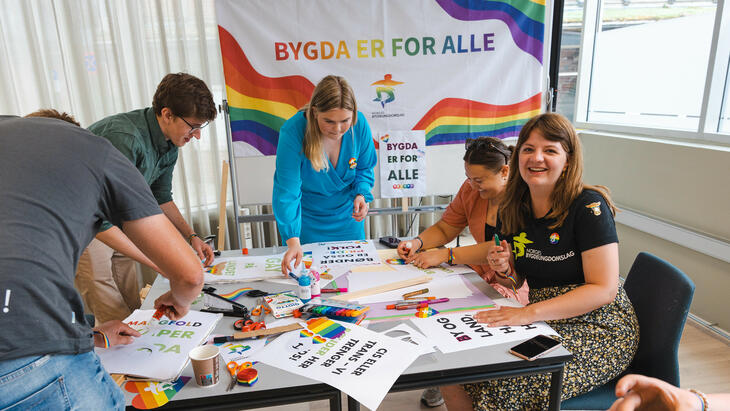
point(713, 93)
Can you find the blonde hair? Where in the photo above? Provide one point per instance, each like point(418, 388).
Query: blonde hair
point(516, 209)
point(332, 92)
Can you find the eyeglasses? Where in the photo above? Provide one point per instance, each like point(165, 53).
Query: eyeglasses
point(481, 143)
point(192, 127)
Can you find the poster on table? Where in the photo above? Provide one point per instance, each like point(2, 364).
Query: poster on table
point(236, 269)
point(458, 332)
point(402, 164)
point(450, 68)
point(362, 363)
point(162, 351)
point(344, 253)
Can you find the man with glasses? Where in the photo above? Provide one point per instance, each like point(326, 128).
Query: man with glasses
point(149, 138)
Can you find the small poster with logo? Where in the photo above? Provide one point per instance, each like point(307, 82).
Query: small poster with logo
point(402, 163)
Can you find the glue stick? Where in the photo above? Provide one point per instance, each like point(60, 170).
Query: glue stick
point(314, 273)
point(305, 288)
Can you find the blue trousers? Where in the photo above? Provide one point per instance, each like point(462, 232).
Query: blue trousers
point(58, 382)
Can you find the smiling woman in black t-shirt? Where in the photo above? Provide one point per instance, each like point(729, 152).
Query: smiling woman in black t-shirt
point(563, 242)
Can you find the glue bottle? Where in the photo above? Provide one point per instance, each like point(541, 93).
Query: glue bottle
point(314, 273)
point(305, 288)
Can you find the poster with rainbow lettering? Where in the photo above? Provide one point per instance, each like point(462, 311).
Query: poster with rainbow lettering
point(455, 69)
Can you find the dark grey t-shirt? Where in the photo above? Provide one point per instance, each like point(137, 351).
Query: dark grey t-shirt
point(57, 183)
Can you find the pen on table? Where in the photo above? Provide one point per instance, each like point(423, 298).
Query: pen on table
point(418, 297)
point(410, 305)
point(395, 305)
point(334, 290)
point(412, 293)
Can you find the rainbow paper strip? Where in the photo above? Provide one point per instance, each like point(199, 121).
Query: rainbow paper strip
point(325, 327)
point(153, 394)
point(453, 120)
point(235, 294)
point(258, 105)
point(524, 18)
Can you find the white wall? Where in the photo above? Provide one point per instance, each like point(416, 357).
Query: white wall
point(684, 184)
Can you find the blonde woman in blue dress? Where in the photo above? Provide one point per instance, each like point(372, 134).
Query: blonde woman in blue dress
point(324, 171)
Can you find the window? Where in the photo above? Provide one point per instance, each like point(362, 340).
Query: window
point(649, 66)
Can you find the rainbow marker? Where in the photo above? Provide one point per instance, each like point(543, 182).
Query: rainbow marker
point(396, 261)
point(235, 294)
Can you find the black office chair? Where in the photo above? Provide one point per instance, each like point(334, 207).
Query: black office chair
point(661, 295)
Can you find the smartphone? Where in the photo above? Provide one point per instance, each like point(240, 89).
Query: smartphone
point(390, 241)
point(535, 347)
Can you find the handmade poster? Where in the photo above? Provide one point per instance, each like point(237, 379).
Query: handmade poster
point(402, 164)
point(236, 269)
point(391, 260)
point(153, 394)
point(345, 253)
point(458, 332)
point(162, 351)
point(362, 363)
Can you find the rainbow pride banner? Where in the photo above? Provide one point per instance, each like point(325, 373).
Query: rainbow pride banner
point(456, 69)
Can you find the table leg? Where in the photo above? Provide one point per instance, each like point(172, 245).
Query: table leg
point(336, 402)
point(352, 404)
point(556, 386)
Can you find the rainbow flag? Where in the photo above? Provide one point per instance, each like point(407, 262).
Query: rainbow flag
point(525, 18)
point(258, 105)
point(453, 120)
point(325, 327)
point(153, 394)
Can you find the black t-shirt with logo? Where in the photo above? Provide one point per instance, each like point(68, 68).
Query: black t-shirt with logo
point(552, 257)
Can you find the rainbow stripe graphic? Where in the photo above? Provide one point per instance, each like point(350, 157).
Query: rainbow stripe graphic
point(235, 294)
point(325, 328)
point(258, 105)
point(153, 394)
point(525, 18)
point(453, 120)
point(216, 269)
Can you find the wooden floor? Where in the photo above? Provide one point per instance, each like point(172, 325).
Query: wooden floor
point(704, 364)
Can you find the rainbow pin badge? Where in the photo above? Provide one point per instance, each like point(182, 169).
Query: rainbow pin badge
point(353, 162)
point(595, 208)
point(554, 238)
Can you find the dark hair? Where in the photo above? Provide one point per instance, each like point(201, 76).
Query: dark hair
point(51, 113)
point(185, 96)
point(516, 210)
point(489, 152)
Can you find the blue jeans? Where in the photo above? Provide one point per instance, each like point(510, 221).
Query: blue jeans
point(58, 382)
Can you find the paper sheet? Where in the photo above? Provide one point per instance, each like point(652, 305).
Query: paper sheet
point(162, 351)
point(236, 269)
point(344, 253)
point(458, 332)
point(446, 287)
point(362, 363)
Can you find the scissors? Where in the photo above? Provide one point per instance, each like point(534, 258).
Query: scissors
point(233, 369)
point(247, 324)
point(257, 311)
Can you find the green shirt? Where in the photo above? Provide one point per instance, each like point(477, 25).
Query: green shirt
point(138, 136)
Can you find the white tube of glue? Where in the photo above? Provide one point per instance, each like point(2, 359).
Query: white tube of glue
point(315, 274)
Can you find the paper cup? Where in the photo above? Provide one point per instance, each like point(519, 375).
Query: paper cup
point(205, 361)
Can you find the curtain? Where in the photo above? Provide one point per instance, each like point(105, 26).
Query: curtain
point(95, 58)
